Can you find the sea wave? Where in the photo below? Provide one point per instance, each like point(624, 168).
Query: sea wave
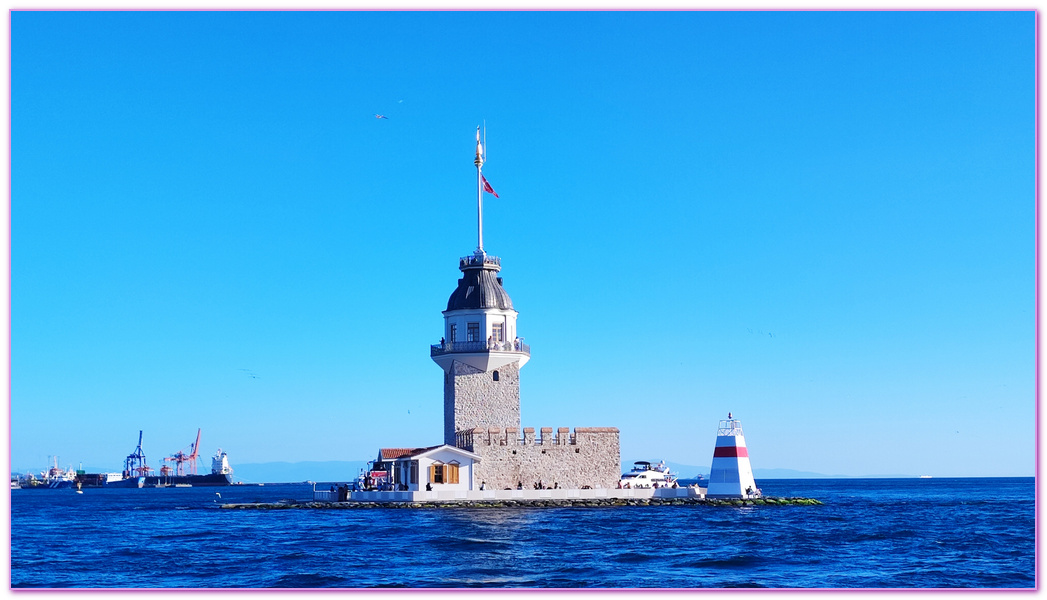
point(965, 533)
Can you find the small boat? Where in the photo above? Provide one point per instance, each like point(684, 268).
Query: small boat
point(646, 475)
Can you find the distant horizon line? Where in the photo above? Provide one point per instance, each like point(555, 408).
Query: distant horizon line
point(769, 473)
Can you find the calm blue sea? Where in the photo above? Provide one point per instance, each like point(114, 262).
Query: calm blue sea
point(871, 533)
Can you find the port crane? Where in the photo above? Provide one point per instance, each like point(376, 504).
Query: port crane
point(180, 458)
point(135, 462)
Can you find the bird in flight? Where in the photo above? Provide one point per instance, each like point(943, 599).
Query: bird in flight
point(380, 117)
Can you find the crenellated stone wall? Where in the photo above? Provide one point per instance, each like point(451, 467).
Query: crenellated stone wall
point(474, 398)
point(589, 457)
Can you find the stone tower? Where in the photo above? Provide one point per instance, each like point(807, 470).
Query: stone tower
point(480, 352)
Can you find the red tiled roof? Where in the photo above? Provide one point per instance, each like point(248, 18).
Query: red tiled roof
point(394, 453)
point(388, 453)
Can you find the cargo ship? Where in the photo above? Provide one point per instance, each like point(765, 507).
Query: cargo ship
point(138, 474)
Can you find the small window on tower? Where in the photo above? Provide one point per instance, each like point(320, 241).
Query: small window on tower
point(454, 331)
point(497, 333)
point(495, 375)
point(473, 332)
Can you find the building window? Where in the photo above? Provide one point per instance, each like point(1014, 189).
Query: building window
point(474, 332)
point(497, 333)
point(454, 331)
point(414, 471)
point(443, 473)
point(495, 374)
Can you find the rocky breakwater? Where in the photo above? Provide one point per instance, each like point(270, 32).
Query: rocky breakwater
point(536, 503)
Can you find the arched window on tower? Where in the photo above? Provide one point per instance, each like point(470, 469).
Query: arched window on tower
point(495, 375)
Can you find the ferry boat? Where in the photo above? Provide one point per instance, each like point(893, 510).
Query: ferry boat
point(646, 475)
point(52, 479)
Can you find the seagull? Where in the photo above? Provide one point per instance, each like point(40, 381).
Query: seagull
point(377, 116)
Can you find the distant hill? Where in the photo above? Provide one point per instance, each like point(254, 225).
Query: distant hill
point(272, 472)
point(87, 469)
point(792, 474)
point(691, 471)
point(681, 470)
point(336, 471)
point(287, 472)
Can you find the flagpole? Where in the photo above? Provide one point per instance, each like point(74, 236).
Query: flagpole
point(479, 195)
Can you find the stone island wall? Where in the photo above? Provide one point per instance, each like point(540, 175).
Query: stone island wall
point(588, 458)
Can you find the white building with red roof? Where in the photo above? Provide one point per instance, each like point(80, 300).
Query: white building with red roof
point(420, 469)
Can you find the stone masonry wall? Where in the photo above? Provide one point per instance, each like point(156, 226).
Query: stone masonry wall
point(472, 398)
point(590, 457)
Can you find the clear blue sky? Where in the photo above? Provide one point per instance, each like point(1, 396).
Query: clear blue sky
point(822, 222)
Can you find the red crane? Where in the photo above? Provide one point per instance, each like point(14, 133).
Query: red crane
point(180, 458)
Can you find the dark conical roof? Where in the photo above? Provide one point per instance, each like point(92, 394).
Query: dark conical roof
point(479, 287)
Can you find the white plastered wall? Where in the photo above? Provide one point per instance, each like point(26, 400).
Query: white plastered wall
point(445, 456)
point(730, 476)
point(486, 318)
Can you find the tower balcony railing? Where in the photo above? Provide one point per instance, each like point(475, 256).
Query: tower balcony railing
point(729, 427)
point(516, 345)
point(478, 260)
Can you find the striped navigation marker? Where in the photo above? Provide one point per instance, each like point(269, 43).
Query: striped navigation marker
point(731, 474)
